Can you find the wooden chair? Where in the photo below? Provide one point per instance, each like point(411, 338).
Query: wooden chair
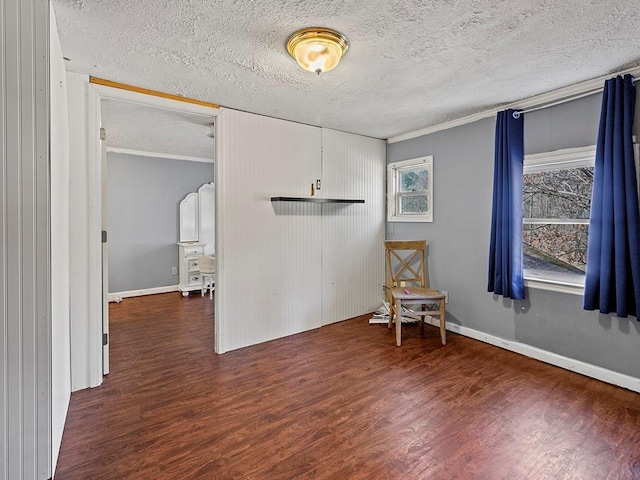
point(207, 266)
point(406, 285)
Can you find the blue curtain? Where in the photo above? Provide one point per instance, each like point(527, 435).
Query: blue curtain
point(505, 250)
point(612, 282)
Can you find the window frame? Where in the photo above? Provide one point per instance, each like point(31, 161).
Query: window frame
point(394, 196)
point(549, 161)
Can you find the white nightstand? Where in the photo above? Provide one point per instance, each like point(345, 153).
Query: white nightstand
point(189, 269)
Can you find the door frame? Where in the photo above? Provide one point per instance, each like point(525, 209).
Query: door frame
point(98, 299)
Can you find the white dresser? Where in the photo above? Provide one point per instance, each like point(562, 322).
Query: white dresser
point(189, 269)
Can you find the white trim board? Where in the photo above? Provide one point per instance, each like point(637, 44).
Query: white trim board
point(112, 93)
point(554, 285)
point(118, 296)
point(571, 92)
point(577, 366)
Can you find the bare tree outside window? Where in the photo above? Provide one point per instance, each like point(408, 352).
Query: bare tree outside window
point(556, 208)
point(410, 190)
point(413, 190)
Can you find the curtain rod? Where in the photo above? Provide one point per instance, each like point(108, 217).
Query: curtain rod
point(565, 100)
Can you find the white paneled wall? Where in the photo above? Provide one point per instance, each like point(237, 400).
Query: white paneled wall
point(60, 315)
point(276, 259)
point(352, 235)
point(25, 282)
point(268, 258)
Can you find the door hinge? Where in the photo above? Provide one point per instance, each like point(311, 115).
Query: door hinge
point(105, 338)
point(103, 133)
point(104, 236)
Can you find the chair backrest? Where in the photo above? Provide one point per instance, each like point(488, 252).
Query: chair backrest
point(207, 264)
point(405, 263)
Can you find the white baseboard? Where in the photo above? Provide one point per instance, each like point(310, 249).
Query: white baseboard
point(587, 369)
point(583, 368)
point(118, 296)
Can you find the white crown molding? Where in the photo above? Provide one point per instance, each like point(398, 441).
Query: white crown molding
point(570, 92)
point(143, 153)
point(444, 126)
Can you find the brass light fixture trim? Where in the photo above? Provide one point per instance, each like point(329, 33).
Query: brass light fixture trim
point(317, 49)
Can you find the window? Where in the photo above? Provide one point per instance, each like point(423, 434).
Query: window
point(556, 205)
point(410, 190)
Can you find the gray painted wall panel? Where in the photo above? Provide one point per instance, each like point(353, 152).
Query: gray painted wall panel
point(459, 241)
point(574, 124)
point(144, 195)
point(25, 288)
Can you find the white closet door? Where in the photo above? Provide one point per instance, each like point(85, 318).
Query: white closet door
point(268, 278)
point(352, 235)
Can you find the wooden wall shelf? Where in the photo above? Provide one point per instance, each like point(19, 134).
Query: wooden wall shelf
point(314, 200)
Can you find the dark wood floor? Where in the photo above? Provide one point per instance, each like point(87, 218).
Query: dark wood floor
point(340, 402)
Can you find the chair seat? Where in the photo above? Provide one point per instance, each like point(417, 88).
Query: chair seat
point(207, 266)
point(424, 296)
point(417, 293)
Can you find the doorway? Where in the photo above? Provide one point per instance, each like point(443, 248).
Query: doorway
point(154, 157)
point(162, 115)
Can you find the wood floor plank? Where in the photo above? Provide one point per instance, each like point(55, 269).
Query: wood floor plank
point(339, 402)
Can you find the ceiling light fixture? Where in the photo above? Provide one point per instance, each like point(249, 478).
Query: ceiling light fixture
point(317, 49)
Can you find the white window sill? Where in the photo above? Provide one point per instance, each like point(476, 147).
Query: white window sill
point(410, 218)
point(572, 284)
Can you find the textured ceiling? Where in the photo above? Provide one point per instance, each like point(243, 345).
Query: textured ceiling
point(411, 63)
point(157, 130)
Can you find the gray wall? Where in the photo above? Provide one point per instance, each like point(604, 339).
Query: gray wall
point(144, 196)
point(459, 241)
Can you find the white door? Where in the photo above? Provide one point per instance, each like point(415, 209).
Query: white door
point(352, 235)
point(105, 256)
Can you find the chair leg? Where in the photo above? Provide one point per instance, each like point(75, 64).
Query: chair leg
point(398, 323)
point(443, 324)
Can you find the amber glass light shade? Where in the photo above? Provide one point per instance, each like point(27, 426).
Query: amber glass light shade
point(317, 50)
